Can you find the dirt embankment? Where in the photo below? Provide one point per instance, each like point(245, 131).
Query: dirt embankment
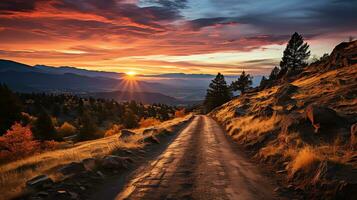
point(304, 127)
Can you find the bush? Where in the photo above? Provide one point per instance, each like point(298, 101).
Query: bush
point(148, 122)
point(43, 128)
point(305, 159)
point(180, 113)
point(88, 129)
point(17, 143)
point(66, 129)
point(115, 129)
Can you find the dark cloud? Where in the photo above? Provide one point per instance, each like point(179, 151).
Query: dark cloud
point(17, 5)
point(174, 4)
point(204, 22)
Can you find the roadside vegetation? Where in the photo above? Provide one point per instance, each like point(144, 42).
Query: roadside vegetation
point(301, 121)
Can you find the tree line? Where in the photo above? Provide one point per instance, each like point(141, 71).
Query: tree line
point(55, 116)
point(294, 59)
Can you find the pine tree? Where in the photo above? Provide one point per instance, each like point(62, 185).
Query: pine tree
point(274, 73)
point(263, 82)
point(130, 120)
point(218, 93)
point(295, 54)
point(11, 108)
point(43, 128)
point(243, 83)
point(88, 129)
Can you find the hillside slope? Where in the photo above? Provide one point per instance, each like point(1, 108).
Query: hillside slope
point(304, 127)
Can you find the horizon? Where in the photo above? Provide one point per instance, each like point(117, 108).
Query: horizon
point(157, 37)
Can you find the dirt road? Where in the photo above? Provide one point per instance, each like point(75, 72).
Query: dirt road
point(199, 164)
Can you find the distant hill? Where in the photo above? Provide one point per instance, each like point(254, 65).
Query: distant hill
point(42, 78)
point(24, 78)
point(83, 72)
point(8, 65)
point(143, 97)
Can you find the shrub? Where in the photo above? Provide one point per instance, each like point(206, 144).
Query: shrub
point(148, 122)
point(88, 129)
point(130, 120)
point(306, 157)
point(43, 128)
point(115, 129)
point(180, 113)
point(66, 129)
point(17, 143)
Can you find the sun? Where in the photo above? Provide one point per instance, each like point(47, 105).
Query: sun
point(131, 73)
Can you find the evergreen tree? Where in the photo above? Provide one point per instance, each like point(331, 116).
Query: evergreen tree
point(243, 83)
point(43, 128)
point(263, 82)
point(11, 108)
point(130, 120)
point(295, 54)
point(274, 73)
point(88, 129)
point(218, 93)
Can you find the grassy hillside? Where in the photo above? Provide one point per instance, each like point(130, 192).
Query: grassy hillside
point(304, 127)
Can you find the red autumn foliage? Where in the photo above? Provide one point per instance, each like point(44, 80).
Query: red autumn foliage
point(17, 143)
point(180, 113)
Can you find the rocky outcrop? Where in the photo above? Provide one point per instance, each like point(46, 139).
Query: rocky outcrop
point(344, 54)
point(115, 162)
point(125, 133)
point(72, 168)
point(151, 140)
point(283, 94)
point(40, 181)
point(322, 117)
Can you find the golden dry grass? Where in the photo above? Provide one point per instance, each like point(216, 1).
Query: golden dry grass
point(14, 175)
point(297, 150)
point(305, 159)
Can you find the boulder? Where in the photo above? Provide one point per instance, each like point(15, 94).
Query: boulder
point(72, 168)
point(115, 162)
point(266, 112)
point(354, 135)
point(40, 181)
point(151, 140)
point(125, 133)
point(283, 94)
point(150, 131)
point(89, 163)
point(240, 111)
point(321, 117)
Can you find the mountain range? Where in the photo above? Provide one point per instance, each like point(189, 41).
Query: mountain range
point(172, 88)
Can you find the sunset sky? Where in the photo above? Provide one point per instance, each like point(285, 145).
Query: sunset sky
point(162, 36)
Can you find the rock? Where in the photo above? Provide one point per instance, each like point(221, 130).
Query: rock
point(240, 111)
point(40, 181)
point(42, 194)
point(72, 168)
point(266, 112)
point(125, 133)
point(354, 135)
point(283, 94)
point(73, 195)
point(346, 190)
point(100, 174)
point(89, 163)
point(151, 140)
point(114, 162)
point(321, 117)
point(150, 131)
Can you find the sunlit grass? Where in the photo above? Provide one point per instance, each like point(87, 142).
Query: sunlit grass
point(14, 175)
